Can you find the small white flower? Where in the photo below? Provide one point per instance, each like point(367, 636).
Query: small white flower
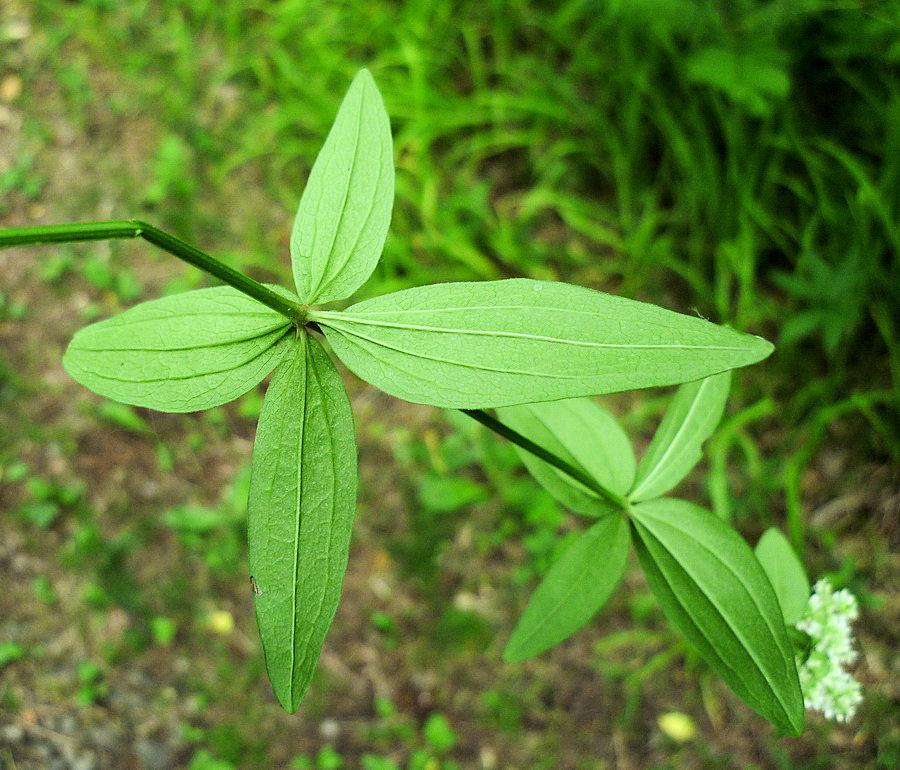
point(826, 684)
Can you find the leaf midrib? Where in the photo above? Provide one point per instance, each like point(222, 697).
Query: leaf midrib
point(199, 346)
point(454, 362)
point(327, 318)
point(177, 378)
point(715, 558)
point(123, 319)
point(646, 535)
point(586, 567)
point(323, 280)
point(298, 499)
point(657, 468)
point(333, 275)
point(312, 371)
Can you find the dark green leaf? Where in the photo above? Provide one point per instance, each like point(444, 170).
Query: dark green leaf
point(498, 343)
point(574, 589)
point(181, 353)
point(585, 435)
point(785, 572)
point(675, 449)
point(300, 514)
point(345, 210)
point(715, 592)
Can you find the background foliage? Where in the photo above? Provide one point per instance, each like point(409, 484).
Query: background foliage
point(738, 160)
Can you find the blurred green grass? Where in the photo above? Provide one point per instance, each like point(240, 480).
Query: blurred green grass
point(738, 160)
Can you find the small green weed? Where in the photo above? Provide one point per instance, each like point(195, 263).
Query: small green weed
point(596, 142)
point(501, 344)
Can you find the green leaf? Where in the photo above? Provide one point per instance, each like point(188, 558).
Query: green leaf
point(585, 435)
point(750, 78)
point(786, 573)
point(498, 343)
point(189, 518)
point(345, 210)
point(675, 449)
point(573, 590)
point(449, 493)
point(439, 734)
point(713, 590)
point(9, 652)
point(300, 514)
point(181, 353)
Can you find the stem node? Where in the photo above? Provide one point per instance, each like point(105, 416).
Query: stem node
point(492, 423)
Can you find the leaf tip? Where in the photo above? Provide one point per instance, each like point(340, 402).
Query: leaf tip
point(791, 720)
point(512, 653)
point(364, 77)
point(796, 723)
point(760, 347)
point(288, 695)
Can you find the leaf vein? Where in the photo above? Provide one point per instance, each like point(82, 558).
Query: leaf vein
point(328, 318)
point(438, 359)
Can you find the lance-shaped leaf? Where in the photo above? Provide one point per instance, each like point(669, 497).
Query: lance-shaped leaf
point(181, 353)
point(497, 343)
point(786, 573)
point(300, 514)
point(575, 588)
point(713, 590)
point(675, 449)
point(585, 435)
point(345, 209)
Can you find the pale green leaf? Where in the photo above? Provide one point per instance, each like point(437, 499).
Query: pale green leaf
point(345, 209)
point(676, 447)
point(573, 590)
point(497, 343)
point(181, 353)
point(786, 573)
point(300, 514)
point(585, 435)
point(713, 590)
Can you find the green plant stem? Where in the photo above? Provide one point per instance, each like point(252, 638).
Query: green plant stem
point(133, 228)
point(492, 423)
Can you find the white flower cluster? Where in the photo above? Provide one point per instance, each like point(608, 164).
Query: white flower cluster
point(827, 686)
